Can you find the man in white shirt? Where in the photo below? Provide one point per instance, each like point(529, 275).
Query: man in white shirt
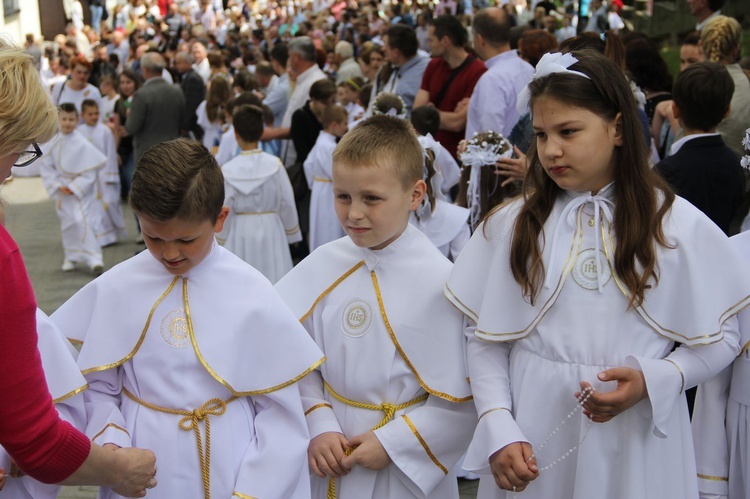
point(201, 66)
point(348, 66)
point(493, 103)
point(704, 10)
point(304, 69)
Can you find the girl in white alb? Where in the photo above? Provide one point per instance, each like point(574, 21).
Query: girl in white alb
point(444, 223)
point(577, 293)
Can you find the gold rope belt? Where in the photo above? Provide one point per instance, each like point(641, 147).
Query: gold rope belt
point(322, 179)
point(214, 407)
point(389, 410)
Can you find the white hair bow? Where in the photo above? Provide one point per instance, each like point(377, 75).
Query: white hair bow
point(548, 64)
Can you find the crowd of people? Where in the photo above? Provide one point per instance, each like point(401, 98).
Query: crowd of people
point(329, 170)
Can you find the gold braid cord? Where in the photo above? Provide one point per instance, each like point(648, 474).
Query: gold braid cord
point(191, 421)
point(389, 410)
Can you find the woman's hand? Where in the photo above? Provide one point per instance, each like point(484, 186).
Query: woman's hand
point(139, 468)
point(631, 389)
point(513, 467)
point(513, 168)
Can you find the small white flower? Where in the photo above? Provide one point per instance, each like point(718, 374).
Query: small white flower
point(745, 162)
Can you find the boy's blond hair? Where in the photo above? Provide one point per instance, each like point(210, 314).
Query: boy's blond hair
point(178, 179)
point(26, 112)
point(333, 114)
point(384, 141)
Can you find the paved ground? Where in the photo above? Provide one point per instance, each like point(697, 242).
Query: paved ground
point(32, 221)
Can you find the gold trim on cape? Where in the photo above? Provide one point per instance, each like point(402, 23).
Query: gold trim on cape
point(713, 478)
point(140, 340)
point(70, 394)
point(242, 496)
point(331, 288)
point(401, 352)
point(213, 373)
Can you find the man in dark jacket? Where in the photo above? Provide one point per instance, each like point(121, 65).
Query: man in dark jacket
point(194, 91)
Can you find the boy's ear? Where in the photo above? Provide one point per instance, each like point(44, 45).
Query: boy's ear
point(219, 225)
point(418, 192)
point(676, 111)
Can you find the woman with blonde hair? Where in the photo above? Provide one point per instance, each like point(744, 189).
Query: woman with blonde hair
point(720, 41)
point(40, 443)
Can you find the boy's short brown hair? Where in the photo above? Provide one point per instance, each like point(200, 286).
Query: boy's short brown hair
point(87, 103)
point(178, 179)
point(333, 114)
point(248, 122)
point(384, 141)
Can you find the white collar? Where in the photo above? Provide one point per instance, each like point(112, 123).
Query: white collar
point(677, 145)
point(603, 204)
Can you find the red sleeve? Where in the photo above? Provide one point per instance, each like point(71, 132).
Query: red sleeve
point(42, 445)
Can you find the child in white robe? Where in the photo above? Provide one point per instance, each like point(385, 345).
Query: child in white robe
point(70, 171)
point(721, 417)
point(262, 220)
point(185, 346)
point(426, 121)
point(444, 223)
point(347, 94)
point(108, 184)
point(389, 411)
point(65, 383)
point(324, 226)
point(579, 291)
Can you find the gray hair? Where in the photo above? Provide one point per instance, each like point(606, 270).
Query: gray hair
point(344, 49)
point(153, 62)
point(303, 45)
point(184, 57)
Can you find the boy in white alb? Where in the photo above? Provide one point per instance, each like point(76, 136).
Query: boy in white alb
point(186, 346)
point(389, 412)
point(262, 220)
point(65, 383)
point(70, 171)
point(112, 223)
point(324, 227)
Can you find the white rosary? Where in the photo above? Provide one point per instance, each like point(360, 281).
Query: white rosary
point(583, 397)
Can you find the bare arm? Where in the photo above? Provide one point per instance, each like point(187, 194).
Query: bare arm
point(127, 471)
point(422, 99)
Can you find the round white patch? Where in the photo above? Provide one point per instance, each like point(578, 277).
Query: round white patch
point(584, 271)
point(174, 329)
point(357, 318)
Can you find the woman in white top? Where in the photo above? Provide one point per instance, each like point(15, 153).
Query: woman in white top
point(77, 88)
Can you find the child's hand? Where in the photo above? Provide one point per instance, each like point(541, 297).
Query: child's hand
point(513, 168)
point(368, 452)
point(511, 466)
point(65, 191)
point(631, 389)
point(2, 478)
point(325, 454)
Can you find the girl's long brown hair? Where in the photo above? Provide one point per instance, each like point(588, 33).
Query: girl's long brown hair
point(642, 198)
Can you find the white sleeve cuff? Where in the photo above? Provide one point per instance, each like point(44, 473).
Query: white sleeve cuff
point(321, 419)
point(666, 382)
point(495, 430)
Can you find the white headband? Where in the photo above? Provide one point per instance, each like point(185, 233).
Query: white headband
point(548, 64)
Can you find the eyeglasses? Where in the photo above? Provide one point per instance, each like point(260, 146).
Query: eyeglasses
point(28, 157)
